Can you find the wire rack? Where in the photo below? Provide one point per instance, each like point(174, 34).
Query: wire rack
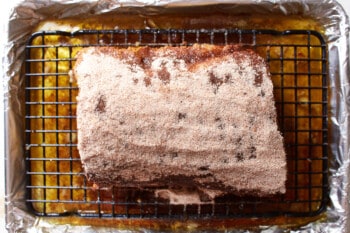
point(56, 184)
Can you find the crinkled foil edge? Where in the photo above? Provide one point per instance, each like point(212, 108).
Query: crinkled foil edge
point(25, 15)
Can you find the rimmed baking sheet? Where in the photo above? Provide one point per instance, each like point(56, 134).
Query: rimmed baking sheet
point(325, 169)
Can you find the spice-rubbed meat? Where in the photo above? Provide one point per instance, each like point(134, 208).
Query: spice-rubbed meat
point(197, 116)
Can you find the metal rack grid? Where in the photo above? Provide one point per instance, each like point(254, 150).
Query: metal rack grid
point(56, 184)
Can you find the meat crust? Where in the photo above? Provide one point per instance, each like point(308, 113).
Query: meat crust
point(199, 116)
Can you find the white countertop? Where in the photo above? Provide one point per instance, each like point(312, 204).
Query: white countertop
point(345, 3)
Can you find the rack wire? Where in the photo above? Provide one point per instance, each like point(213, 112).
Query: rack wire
point(56, 184)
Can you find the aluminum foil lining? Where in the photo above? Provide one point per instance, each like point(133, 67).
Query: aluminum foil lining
point(26, 15)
